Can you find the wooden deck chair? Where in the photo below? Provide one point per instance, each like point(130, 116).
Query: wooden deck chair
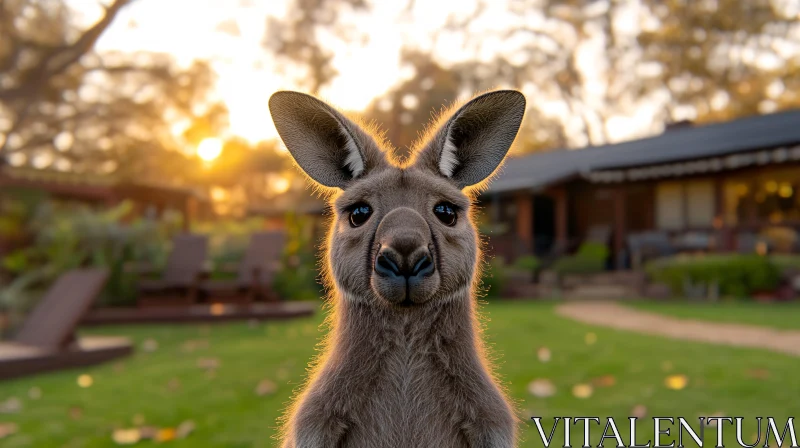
point(254, 274)
point(46, 341)
point(181, 275)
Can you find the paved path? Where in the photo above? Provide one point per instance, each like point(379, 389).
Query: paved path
point(614, 315)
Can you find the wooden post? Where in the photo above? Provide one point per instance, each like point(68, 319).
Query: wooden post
point(720, 224)
point(620, 230)
point(189, 209)
point(524, 220)
point(562, 231)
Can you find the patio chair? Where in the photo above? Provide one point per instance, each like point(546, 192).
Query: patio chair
point(254, 273)
point(46, 340)
point(181, 277)
point(646, 246)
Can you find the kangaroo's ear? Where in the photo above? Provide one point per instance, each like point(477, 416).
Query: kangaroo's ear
point(472, 143)
point(330, 148)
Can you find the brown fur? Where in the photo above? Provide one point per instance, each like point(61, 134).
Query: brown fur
point(391, 375)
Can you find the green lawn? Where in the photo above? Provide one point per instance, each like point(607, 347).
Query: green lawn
point(784, 315)
point(165, 387)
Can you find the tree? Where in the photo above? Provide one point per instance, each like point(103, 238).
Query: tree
point(607, 59)
point(411, 104)
point(297, 40)
point(65, 106)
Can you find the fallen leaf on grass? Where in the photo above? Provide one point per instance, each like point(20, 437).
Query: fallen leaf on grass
point(34, 393)
point(542, 388)
point(148, 432)
point(75, 412)
point(582, 391)
point(165, 435)
point(605, 381)
point(11, 406)
point(85, 381)
point(150, 345)
point(126, 436)
point(8, 429)
point(590, 338)
point(184, 429)
point(265, 387)
point(208, 363)
point(544, 354)
point(676, 382)
point(639, 411)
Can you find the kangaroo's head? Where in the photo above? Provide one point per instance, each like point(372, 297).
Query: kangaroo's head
point(401, 235)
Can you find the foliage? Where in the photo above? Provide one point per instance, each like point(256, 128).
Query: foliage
point(590, 259)
point(528, 263)
point(67, 238)
point(699, 60)
point(298, 278)
point(66, 106)
point(735, 275)
point(493, 278)
point(786, 263)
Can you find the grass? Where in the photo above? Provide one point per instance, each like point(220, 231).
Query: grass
point(166, 386)
point(777, 315)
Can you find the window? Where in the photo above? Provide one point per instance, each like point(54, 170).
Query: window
point(700, 203)
point(669, 205)
point(685, 204)
point(771, 197)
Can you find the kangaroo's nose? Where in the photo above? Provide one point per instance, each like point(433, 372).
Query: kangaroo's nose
point(394, 263)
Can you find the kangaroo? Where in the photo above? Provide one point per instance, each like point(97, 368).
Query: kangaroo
point(403, 365)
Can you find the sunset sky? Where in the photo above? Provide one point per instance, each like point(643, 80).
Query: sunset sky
point(230, 33)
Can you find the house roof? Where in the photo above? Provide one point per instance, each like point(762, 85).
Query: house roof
point(683, 144)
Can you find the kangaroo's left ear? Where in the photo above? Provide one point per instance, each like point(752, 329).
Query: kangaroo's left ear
point(472, 143)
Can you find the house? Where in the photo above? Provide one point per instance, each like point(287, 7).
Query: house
point(725, 181)
point(105, 190)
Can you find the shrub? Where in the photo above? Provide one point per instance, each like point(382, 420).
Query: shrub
point(297, 279)
point(65, 238)
point(493, 278)
point(590, 259)
point(527, 263)
point(786, 263)
point(735, 275)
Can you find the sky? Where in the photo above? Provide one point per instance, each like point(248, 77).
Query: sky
point(191, 29)
point(245, 75)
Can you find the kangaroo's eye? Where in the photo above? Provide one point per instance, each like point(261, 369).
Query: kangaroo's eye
point(359, 214)
point(446, 212)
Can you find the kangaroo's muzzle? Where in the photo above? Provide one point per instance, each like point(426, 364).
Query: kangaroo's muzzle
point(404, 270)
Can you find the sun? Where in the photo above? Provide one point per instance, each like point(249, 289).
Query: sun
point(209, 149)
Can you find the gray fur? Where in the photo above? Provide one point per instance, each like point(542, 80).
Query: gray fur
point(404, 364)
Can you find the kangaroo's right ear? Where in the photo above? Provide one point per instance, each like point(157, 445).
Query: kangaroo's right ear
point(330, 148)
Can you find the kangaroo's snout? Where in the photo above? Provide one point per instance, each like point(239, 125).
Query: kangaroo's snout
point(391, 263)
point(404, 264)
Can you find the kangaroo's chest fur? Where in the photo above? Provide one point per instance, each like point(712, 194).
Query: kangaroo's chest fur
point(412, 380)
point(413, 404)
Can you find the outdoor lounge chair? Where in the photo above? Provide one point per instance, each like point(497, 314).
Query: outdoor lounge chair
point(254, 273)
point(181, 276)
point(46, 341)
